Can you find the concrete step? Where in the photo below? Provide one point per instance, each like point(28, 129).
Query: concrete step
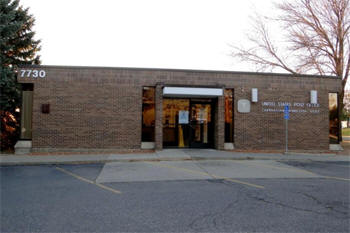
point(23, 147)
point(335, 147)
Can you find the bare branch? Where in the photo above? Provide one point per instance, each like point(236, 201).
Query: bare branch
point(264, 53)
point(317, 33)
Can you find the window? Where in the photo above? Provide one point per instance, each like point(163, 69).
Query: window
point(333, 118)
point(229, 115)
point(27, 111)
point(148, 114)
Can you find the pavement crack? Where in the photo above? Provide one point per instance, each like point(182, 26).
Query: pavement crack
point(327, 206)
point(284, 205)
point(313, 198)
point(202, 222)
point(204, 170)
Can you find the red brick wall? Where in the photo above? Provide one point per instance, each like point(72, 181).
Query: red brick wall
point(159, 117)
point(102, 107)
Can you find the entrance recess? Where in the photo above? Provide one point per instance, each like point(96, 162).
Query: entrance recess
point(188, 123)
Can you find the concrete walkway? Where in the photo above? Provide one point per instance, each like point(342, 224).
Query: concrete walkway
point(164, 155)
point(199, 170)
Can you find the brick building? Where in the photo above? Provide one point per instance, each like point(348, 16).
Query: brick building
point(98, 108)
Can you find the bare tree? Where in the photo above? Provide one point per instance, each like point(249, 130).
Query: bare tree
point(317, 37)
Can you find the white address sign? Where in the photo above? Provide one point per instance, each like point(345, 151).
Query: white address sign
point(32, 73)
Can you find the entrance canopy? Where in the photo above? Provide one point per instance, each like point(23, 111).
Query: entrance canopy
point(192, 92)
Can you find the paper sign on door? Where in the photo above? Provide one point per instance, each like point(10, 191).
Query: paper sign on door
point(183, 117)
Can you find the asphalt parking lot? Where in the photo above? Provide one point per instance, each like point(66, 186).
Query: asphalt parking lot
point(177, 196)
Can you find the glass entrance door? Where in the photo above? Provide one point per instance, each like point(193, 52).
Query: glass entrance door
point(201, 125)
point(188, 123)
point(176, 122)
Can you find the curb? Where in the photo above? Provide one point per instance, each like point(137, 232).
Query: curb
point(309, 154)
point(93, 161)
point(113, 160)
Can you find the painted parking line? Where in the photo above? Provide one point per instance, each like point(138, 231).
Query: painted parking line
point(239, 181)
point(332, 164)
point(290, 169)
point(251, 163)
point(206, 174)
point(88, 181)
point(336, 178)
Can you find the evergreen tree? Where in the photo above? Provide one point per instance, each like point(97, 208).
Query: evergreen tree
point(17, 47)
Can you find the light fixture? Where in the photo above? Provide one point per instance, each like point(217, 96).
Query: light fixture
point(254, 94)
point(313, 95)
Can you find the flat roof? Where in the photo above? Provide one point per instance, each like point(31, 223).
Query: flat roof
point(184, 70)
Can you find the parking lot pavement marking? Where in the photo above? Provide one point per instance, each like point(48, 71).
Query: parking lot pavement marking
point(332, 164)
point(251, 163)
point(239, 182)
point(107, 188)
point(88, 181)
point(336, 178)
point(291, 169)
point(206, 174)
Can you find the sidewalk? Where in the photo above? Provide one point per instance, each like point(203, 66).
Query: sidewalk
point(164, 155)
